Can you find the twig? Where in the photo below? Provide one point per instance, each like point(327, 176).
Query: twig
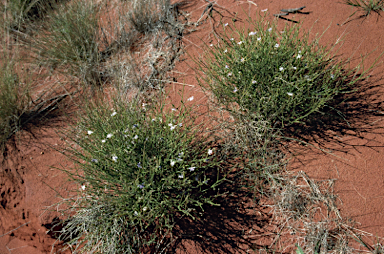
point(15, 229)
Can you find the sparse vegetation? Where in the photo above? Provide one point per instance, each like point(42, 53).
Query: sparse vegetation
point(367, 6)
point(14, 100)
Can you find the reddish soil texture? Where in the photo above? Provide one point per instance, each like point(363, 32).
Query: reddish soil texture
point(29, 183)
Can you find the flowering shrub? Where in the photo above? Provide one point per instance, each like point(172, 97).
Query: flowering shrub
point(279, 75)
point(140, 168)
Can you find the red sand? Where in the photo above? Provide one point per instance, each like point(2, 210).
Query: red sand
point(28, 180)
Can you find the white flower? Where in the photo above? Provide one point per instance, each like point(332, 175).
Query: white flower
point(114, 113)
point(211, 45)
point(298, 56)
point(172, 163)
point(277, 45)
point(230, 74)
point(294, 68)
point(192, 168)
point(90, 132)
point(210, 151)
point(242, 60)
point(231, 39)
point(235, 90)
point(114, 158)
point(144, 104)
point(281, 69)
point(226, 24)
point(225, 51)
point(332, 76)
point(103, 141)
point(190, 98)
point(173, 109)
point(181, 176)
point(83, 187)
point(180, 124)
point(136, 213)
point(135, 137)
point(270, 29)
point(173, 127)
point(259, 39)
point(145, 208)
point(240, 42)
point(264, 10)
point(252, 33)
point(254, 81)
point(109, 135)
point(226, 66)
point(153, 119)
point(290, 94)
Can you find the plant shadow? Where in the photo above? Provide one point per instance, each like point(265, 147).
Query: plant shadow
point(238, 224)
point(353, 114)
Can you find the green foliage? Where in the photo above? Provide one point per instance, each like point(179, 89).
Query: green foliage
point(280, 76)
point(14, 99)
point(71, 41)
point(18, 13)
point(140, 168)
point(367, 6)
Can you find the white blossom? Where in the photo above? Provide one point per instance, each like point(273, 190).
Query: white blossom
point(90, 132)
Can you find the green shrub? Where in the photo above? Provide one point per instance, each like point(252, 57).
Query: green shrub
point(140, 169)
point(280, 76)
